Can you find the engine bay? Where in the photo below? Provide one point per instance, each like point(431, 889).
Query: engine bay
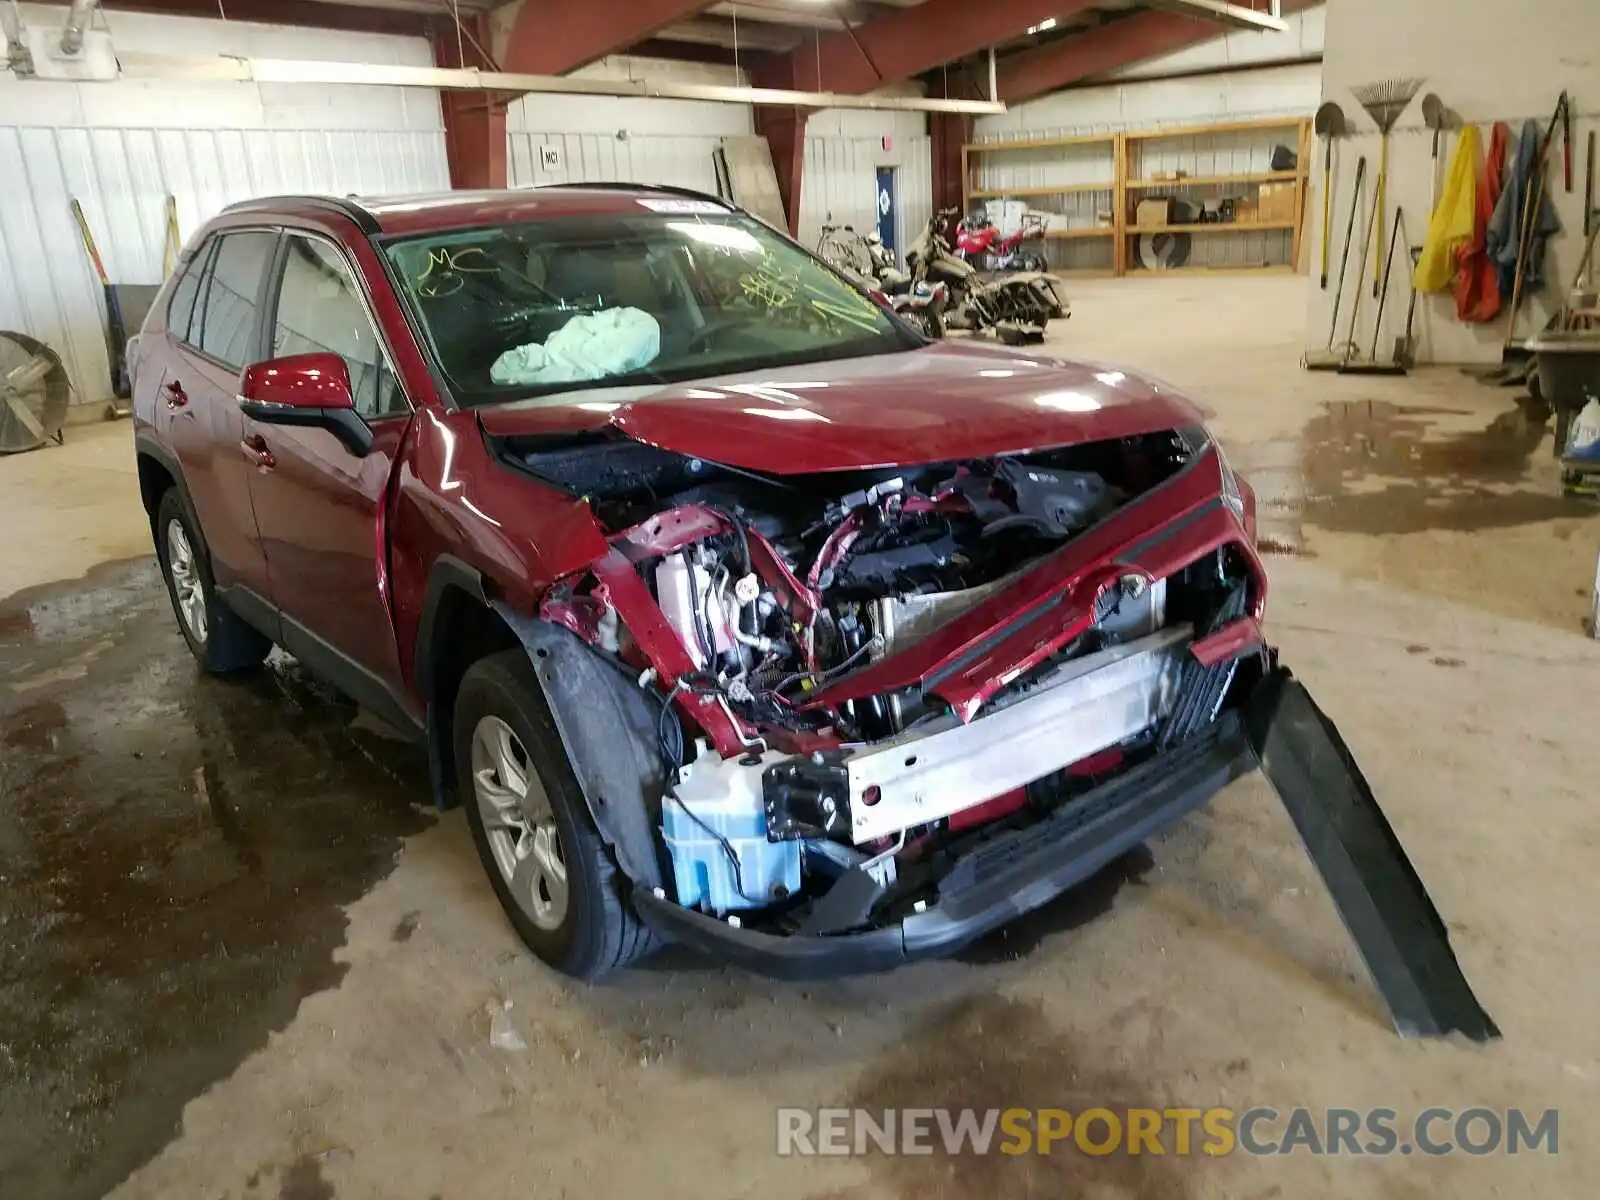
point(761, 611)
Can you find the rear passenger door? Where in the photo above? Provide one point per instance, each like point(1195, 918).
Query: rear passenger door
point(320, 508)
point(214, 327)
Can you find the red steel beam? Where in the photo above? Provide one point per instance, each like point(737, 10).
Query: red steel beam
point(1120, 43)
point(474, 122)
point(905, 42)
point(552, 37)
point(785, 131)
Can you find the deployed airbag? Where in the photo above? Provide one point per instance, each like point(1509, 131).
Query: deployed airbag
point(613, 341)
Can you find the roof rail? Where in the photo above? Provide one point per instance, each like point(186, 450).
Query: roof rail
point(343, 205)
point(617, 185)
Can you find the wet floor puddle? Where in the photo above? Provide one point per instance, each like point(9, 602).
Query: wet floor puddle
point(1376, 468)
point(175, 852)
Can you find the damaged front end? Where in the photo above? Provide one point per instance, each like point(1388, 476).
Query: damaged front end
point(894, 708)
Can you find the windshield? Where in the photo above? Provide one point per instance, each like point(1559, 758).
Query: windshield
point(519, 310)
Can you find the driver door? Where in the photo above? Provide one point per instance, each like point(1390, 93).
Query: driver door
point(319, 507)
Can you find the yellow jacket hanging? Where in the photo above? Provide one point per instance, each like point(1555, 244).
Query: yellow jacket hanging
point(1450, 227)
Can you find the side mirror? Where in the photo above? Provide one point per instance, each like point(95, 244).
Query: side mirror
point(309, 391)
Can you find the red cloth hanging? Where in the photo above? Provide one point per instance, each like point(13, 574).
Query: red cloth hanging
point(1478, 297)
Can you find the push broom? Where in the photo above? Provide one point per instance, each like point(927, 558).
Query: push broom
point(1329, 360)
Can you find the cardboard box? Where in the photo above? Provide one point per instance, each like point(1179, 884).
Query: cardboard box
point(1153, 213)
point(1276, 202)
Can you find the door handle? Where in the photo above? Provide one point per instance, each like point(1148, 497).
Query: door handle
point(176, 396)
point(255, 449)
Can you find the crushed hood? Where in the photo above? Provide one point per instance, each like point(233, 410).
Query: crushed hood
point(928, 405)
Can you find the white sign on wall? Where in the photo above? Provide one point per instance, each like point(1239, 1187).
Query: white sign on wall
point(550, 158)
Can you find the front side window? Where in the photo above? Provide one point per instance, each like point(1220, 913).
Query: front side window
point(224, 325)
point(538, 307)
point(320, 309)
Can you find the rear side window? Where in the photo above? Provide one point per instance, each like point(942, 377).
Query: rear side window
point(180, 310)
point(224, 325)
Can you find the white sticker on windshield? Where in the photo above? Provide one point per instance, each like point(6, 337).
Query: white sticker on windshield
point(683, 206)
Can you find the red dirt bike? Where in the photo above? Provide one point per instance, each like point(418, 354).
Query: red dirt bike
point(980, 242)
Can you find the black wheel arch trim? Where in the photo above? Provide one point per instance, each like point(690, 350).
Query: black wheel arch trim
point(448, 572)
point(607, 729)
point(147, 445)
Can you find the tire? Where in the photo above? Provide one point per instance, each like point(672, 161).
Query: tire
point(221, 642)
point(926, 321)
point(594, 930)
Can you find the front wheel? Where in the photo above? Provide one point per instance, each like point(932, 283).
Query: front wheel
point(553, 876)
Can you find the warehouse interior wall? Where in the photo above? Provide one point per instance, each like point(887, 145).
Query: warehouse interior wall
point(1240, 76)
point(1510, 68)
point(555, 139)
point(122, 148)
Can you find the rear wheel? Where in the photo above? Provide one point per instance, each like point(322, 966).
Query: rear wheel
point(551, 872)
point(220, 641)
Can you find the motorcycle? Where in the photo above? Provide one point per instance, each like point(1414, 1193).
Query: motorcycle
point(980, 242)
point(868, 261)
point(1017, 307)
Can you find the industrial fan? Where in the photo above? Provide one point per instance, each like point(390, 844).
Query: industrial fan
point(34, 393)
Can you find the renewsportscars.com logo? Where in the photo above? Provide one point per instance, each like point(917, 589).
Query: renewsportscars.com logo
point(1178, 1131)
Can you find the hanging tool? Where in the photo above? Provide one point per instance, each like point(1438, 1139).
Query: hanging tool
point(1329, 124)
point(1372, 366)
point(1433, 115)
point(1348, 350)
point(1588, 209)
point(1405, 346)
point(1527, 237)
point(1566, 140)
point(172, 240)
point(116, 330)
point(1330, 362)
point(1589, 186)
point(1384, 102)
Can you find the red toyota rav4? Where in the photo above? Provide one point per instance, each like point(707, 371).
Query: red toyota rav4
point(736, 613)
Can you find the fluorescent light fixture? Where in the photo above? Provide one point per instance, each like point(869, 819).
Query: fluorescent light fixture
point(1047, 23)
point(208, 68)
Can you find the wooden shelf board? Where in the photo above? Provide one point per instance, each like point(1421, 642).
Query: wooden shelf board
point(1086, 139)
point(1213, 180)
point(1096, 231)
point(1262, 269)
point(1177, 131)
point(1064, 189)
point(1214, 227)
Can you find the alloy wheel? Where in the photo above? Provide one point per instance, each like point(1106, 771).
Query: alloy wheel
point(187, 585)
point(519, 823)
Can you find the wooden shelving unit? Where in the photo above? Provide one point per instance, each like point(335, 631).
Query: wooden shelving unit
point(1215, 227)
point(1126, 186)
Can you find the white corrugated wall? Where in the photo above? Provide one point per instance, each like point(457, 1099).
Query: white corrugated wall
point(624, 139)
point(122, 148)
point(650, 141)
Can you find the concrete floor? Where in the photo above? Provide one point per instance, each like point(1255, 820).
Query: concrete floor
point(242, 961)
